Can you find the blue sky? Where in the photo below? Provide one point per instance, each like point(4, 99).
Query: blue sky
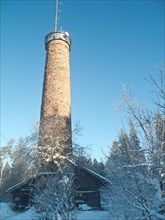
point(113, 43)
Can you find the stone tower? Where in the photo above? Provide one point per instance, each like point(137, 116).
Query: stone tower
point(55, 119)
point(56, 87)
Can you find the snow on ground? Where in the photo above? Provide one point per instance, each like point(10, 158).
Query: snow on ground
point(93, 215)
point(5, 211)
point(7, 214)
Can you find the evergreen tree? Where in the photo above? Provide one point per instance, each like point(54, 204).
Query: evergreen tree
point(129, 189)
point(5, 168)
point(20, 161)
point(136, 153)
point(98, 167)
point(157, 154)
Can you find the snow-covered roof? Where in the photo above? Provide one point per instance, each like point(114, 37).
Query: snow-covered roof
point(93, 173)
point(18, 185)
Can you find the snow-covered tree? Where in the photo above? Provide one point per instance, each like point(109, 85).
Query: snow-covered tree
point(98, 167)
point(21, 161)
point(136, 153)
point(5, 168)
point(157, 149)
point(144, 162)
point(54, 192)
point(54, 195)
point(130, 192)
point(54, 143)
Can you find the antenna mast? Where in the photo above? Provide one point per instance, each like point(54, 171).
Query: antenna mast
point(56, 17)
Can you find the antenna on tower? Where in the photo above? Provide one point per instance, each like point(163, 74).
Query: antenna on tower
point(56, 17)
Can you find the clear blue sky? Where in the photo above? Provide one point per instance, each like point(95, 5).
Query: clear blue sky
point(113, 42)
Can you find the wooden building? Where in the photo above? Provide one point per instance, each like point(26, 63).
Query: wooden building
point(87, 184)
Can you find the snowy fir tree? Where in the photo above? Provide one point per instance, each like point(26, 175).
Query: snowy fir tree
point(131, 192)
point(135, 166)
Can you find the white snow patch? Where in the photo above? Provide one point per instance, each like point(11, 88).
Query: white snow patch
point(5, 210)
point(7, 214)
point(93, 215)
point(84, 207)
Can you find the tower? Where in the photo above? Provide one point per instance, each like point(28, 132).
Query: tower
point(56, 86)
point(55, 117)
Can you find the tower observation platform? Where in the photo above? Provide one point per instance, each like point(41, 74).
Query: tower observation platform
point(60, 35)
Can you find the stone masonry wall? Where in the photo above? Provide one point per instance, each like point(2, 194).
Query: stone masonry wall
point(56, 88)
